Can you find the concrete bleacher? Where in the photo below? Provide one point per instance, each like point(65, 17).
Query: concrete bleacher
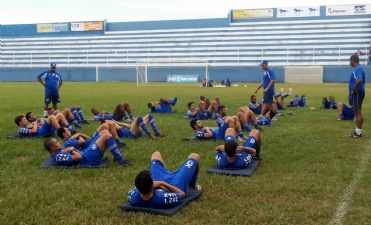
point(229, 48)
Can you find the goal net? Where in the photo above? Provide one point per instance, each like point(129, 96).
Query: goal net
point(304, 74)
point(176, 71)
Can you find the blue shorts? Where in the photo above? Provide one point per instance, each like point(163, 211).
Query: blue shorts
point(279, 106)
point(220, 132)
point(92, 140)
point(251, 143)
point(52, 98)
point(92, 155)
point(268, 98)
point(348, 113)
point(125, 133)
point(45, 130)
point(356, 100)
point(230, 138)
point(181, 178)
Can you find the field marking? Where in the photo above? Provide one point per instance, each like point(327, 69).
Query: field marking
point(346, 199)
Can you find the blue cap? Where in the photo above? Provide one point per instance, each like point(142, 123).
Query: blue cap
point(264, 62)
point(53, 65)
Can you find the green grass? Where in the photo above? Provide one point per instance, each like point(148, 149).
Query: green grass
point(308, 161)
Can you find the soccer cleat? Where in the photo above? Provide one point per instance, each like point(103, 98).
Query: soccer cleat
point(355, 135)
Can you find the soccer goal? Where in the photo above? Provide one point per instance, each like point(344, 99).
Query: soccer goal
point(304, 74)
point(177, 71)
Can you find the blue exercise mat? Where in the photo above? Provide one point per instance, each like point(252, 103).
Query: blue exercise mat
point(248, 171)
point(191, 195)
point(48, 163)
point(193, 138)
point(16, 136)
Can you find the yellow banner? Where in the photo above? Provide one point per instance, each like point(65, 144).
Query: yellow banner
point(252, 13)
point(52, 27)
point(93, 26)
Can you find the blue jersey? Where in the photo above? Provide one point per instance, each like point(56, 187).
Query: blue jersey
point(242, 160)
point(51, 81)
point(268, 76)
point(107, 116)
point(358, 73)
point(71, 143)
point(62, 158)
point(24, 132)
point(160, 199)
point(220, 121)
point(201, 134)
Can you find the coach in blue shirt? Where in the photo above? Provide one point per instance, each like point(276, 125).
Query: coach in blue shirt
point(356, 87)
point(52, 82)
point(268, 85)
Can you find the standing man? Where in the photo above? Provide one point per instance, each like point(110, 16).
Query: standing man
point(268, 85)
point(52, 82)
point(357, 93)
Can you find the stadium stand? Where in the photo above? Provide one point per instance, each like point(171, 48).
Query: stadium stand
point(228, 45)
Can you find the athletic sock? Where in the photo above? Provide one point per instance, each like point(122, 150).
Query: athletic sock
point(73, 131)
point(76, 124)
point(358, 131)
point(115, 151)
point(256, 126)
point(173, 101)
point(143, 126)
point(240, 134)
point(131, 116)
point(126, 117)
point(247, 128)
point(153, 124)
point(341, 116)
point(285, 95)
point(118, 141)
point(45, 113)
point(81, 115)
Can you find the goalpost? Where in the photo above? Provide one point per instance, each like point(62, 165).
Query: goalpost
point(198, 68)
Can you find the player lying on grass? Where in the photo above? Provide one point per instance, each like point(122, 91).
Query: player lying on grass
point(202, 132)
point(164, 105)
point(296, 102)
point(90, 156)
point(280, 97)
point(242, 118)
point(254, 105)
point(44, 128)
point(329, 103)
point(80, 141)
point(246, 117)
point(231, 155)
point(121, 112)
point(160, 188)
point(67, 113)
point(135, 129)
point(345, 112)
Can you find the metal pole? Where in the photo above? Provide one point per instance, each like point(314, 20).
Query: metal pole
point(96, 73)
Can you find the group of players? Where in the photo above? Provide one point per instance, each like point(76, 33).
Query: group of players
point(158, 187)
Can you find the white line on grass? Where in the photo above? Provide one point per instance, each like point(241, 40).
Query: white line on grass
point(348, 194)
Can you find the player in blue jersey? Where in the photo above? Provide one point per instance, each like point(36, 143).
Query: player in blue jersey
point(90, 156)
point(160, 188)
point(135, 129)
point(357, 83)
point(44, 128)
point(52, 81)
point(164, 105)
point(267, 118)
point(67, 113)
point(202, 132)
point(233, 156)
point(329, 103)
point(80, 141)
point(193, 112)
point(254, 105)
point(206, 110)
point(121, 112)
point(220, 121)
point(345, 112)
point(268, 85)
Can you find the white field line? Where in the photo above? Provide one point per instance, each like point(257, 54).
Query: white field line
point(346, 199)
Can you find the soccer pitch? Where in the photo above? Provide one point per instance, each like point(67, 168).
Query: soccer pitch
point(310, 168)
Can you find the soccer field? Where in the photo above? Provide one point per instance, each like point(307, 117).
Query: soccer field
point(310, 168)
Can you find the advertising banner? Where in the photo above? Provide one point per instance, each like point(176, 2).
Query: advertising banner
point(182, 78)
point(348, 10)
point(252, 13)
point(87, 26)
point(52, 27)
point(306, 11)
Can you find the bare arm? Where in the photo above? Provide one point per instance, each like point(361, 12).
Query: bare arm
point(260, 86)
point(208, 133)
point(41, 81)
point(269, 85)
point(76, 156)
point(171, 188)
point(246, 149)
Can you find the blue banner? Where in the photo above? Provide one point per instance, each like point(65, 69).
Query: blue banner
point(182, 78)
